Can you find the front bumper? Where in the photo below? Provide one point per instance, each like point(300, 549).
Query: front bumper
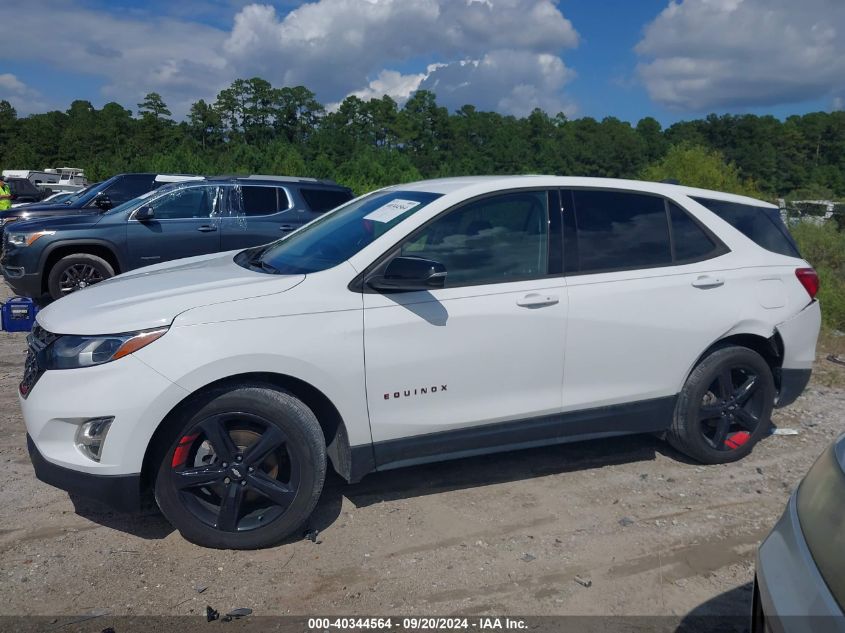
point(22, 284)
point(793, 596)
point(121, 492)
point(136, 396)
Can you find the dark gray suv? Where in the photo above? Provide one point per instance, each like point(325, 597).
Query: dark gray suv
point(58, 255)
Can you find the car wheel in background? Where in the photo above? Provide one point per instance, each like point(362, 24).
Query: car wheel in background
point(75, 272)
point(725, 406)
point(242, 469)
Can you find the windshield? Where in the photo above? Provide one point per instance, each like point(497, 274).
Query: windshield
point(338, 235)
point(86, 193)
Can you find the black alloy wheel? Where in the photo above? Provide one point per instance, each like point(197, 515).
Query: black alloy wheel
point(240, 466)
point(724, 407)
point(730, 410)
point(77, 277)
point(235, 472)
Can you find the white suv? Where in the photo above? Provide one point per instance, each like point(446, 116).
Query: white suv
point(419, 323)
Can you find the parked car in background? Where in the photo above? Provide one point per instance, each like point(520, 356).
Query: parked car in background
point(59, 255)
point(494, 314)
point(799, 586)
point(94, 199)
point(60, 196)
point(23, 191)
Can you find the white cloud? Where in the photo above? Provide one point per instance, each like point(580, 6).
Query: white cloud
point(509, 81)
point(180, 59)
point(335, 47)
point(338, 46)
point(701, 54)
point(23, 98)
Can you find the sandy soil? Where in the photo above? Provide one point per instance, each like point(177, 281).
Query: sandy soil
point(503, 534)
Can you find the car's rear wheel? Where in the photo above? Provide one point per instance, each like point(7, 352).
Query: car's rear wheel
point(725, 407)
point(242, 469)
point(75, 272)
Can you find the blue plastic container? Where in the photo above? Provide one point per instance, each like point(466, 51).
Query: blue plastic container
point(18, 314)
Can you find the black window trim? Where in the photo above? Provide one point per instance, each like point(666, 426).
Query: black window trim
point(570, 234)
point(358, 283)
point(241, 185)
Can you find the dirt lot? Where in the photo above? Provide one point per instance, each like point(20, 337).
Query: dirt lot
point(503, 534)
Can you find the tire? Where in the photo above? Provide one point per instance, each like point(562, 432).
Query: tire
point(258, 498)
point(90, 269)
point(714, 424)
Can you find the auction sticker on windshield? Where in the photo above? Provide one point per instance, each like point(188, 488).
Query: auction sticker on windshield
point(391, 210)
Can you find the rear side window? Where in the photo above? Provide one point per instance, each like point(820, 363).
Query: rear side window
point(620, 230)
point(762, 225)
point(263, 200)
point(689, 240)
point(322, 200)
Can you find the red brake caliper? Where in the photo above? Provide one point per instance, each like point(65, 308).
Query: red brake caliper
point(180, 455)
point(735, 440)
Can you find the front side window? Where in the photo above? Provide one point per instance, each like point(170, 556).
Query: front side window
point(185, 203)
point(263, 200)
point(494, 240)
point(620, 230)
point(336, 236)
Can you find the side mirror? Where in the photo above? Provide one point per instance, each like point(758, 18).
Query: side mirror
point(410, 273)
point(145, 214)
point(103, 202)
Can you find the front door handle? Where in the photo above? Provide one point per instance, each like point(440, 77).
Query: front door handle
point(286, 227)
point(537, 300)
point(706, 281)
point(207, 228)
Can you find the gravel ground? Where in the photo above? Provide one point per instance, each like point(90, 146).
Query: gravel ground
point(650, 532)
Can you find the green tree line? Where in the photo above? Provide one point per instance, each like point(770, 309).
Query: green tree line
point(253, 127)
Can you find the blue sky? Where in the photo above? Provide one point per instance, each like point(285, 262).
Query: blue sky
point(628, 59)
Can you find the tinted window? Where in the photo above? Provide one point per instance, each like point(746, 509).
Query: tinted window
point(688, 238)
point(493, 240)
point(762, 225)
point(619, 230)
point(336, 236)
point(185, 203)
point(321, 200)
point(128, 187)
point(257, 200)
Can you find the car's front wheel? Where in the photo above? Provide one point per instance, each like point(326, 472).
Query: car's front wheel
point(242, 469)
point(725, 406)
point(75, 272)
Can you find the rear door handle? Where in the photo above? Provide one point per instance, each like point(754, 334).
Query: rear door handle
point(207, 228)
point(286, 227)
point(537, 300)
point(706, 281)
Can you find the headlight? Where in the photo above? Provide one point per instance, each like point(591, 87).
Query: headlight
point(73, 352)
point(25, 239)
point(821, 513)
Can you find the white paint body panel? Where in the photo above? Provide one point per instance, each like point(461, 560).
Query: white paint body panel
point(610, 337)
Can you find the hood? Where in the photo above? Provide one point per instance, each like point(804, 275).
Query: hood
point(49, 206)
point(61, 222)
point(153, 296)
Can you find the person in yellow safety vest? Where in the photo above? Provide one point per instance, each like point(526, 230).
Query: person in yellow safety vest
point(5, 195)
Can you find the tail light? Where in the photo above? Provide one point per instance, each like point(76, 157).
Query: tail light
point(809, 278)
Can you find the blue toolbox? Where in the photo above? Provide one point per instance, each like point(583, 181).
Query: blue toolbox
point(18, 314)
